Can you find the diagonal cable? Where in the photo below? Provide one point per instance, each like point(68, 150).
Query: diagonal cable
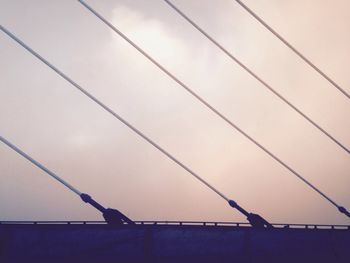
point(114, 114)
point(242, 65)
point(39, 165)
point(112, 216)
point(288, 44)
point(340, 208)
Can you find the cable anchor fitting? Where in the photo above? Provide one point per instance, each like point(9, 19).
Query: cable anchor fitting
point(255, 220)
point(112, 216)
point(343, 210)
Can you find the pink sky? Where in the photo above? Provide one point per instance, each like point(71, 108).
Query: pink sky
point(50, 120)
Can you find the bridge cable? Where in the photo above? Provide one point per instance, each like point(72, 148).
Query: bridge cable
point(289, 45)
point(112, 216)
point(111, 111)
point(242, 65)
point(254, 219)
point(340, 208)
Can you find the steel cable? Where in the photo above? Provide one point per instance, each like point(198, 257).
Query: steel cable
point(208, 105)
point(242, 65)
point(298, 53)
point(114, 114)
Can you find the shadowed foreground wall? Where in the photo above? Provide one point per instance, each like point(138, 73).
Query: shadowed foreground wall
point(166, 243)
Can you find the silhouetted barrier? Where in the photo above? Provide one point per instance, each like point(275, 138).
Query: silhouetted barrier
point(181, 223)
point(171, 241)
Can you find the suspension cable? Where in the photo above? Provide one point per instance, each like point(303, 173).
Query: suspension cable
point(42, 167)
point(242, 65)
point(112, 216)
point(114, 114)
point(210, 107)
point(291, 47)
point(115, 217)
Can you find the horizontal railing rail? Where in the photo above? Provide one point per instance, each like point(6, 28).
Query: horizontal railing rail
point(179, 223)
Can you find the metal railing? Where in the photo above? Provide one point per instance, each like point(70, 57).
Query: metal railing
point(180, 223)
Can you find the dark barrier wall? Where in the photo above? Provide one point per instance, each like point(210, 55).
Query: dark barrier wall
point(157, 243)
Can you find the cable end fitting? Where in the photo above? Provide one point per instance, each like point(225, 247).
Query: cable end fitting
point(86, 198)
point(343, 210)
point(232, 203)
point(254, 219)
point(112, 216)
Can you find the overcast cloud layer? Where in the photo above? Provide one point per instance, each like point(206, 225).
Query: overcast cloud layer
point(50, 120)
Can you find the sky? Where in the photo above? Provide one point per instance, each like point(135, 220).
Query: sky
point(50, 120)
